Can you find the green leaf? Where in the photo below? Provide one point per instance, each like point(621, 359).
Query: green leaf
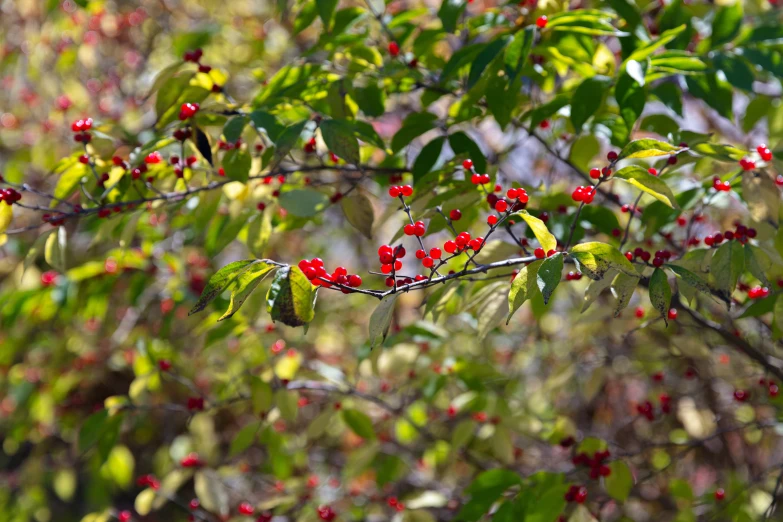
point(260, 396)
point(303, 202)
point(647, 148)
point(359, 212)
point(758, 108)
point(523, 287)
point(494, 479)
point(211, 492)
point(595, 259)
point(549, 274)
point(338, 136)
point(484, 58)
point(380, 320)
point(588, 98)
point(727, 264)
point(220, 281)
point(236, 165)
point(623, 287)
point(244, 438)
point(643, 180)
point(547, 110)
point(92, 429)
point(413, 126)
point(690, 278)
point(359, 423)
point(291, 297)
point(267, 123)
point(596, 287)
point(716, 92)
point(427, 158)
point(287, 139)
point(539, 229)
point(753, 261)
point(449, 13)
point(305, 17)
point(55, 250)
point(462, 144)
point(726, 24)
point(643, 52)
point(326, 10)
point(371, 100)
point(233, 129)
point(244, 284)
point(620, 481)
point(660, 293)
point(583, 150)
point(736, 69)
point(492, 311)
point(258, 233)
point(517, 52)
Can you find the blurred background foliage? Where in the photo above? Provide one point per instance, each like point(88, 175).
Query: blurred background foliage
point(106, 383)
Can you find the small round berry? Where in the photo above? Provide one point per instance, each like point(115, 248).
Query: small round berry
point(245, 508)
point(467, 164)
point(611, 156)
point(124, 516)
point(539, 253)
point(455, 214)
point(394, 191)
point(741, 395)
point(595, 173)
point(492, 220)
point(435, 253)
point(720, 494)
point(541, 22)
point(652, 171)
point(501, 206)
point(428, 262)
point(672, 314)
point(450, 247)
point(421, 254)
point(406, 190)
point(394, 48)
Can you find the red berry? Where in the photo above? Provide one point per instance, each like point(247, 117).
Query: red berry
point(539, 253)
point(652, 171)
point(421, 254)
point(541, 22)
point(639, 312)
point(720, 494)
point(394, 191)
point(611, 156)
point(406, 190)
point(741, 395)
point(164, 365)
point(394, 48)
point(450, 247)
point(428, 262)
point(124, 516)
point(467, 164)
point(245, 508)
point(672, 314)
point(501, 206)
point(435, 253)
point(492, 220)
point(595, 173)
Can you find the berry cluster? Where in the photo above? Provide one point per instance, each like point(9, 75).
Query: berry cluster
point(576, 494)
point(772, 388)
point(314, 271)
point(179, 167)
point(326, 513)
point(740, 233)
point(182, 134)
point(188, 110)
point(758, 292)
point(148, 481)
point(10, 196)
point(596, 463)
point(397, 191)
point(191, 460)
point(193, 56)
point(725, 186)
point(81, 128)
point(584, 194)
